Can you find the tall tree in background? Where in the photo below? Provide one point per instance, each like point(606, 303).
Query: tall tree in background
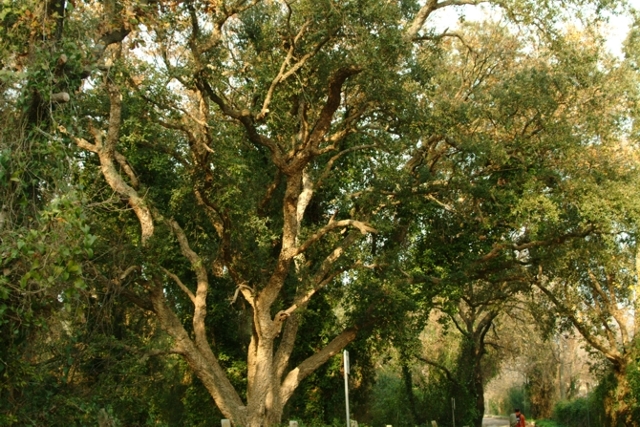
point(515, 197)
point(593, 285)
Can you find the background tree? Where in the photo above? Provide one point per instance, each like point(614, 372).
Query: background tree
point(519, 197)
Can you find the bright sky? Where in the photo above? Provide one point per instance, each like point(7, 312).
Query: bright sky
point(616, 31)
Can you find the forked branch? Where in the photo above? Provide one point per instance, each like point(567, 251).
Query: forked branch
point(284, 74)
point(309, 365)
point(200, 297)
point(430, 7)
point(247, 121)
point(331, 106)
point(106, 150)
point(608, 350)
point(181, 285)
point(332, 225)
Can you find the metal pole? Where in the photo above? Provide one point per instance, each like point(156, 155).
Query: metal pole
point(588, 418)
point(345, 357)
point(453, 410)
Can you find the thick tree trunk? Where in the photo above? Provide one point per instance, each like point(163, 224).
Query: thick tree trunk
point(478, 388)
point(268, 389)
point(408, 384)
point(616, 404)
point(478, 333)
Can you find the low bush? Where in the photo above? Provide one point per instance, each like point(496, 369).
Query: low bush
point(547, 423)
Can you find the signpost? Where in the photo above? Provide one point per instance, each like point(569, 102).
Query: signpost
point(345, 358)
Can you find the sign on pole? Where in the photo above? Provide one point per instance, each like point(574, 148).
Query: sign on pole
point(345, 358)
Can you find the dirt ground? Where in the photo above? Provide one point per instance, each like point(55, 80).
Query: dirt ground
point(494, 421)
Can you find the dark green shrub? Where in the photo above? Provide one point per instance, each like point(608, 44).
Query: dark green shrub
point(580, 412)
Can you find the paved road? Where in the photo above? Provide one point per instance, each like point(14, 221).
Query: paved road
point(494, 422)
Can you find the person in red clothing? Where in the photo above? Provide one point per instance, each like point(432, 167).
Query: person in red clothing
point(520, 418)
